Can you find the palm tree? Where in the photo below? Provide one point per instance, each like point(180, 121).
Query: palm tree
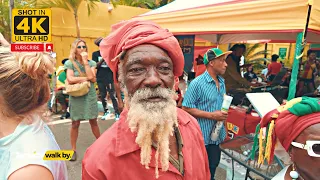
point(252, 56)
point(70, 5)
point(148, 4)
point(160, 3)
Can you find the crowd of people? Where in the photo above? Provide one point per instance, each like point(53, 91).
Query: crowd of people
point(163, 129)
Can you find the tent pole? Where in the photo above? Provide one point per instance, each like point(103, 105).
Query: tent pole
point(295, 67)
point(266, 49)
point(300, 44)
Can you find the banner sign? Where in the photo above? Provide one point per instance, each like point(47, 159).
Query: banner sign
point(187, 46)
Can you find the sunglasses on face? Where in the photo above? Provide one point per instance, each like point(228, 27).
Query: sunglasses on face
point(312, 147)
point(82, 47)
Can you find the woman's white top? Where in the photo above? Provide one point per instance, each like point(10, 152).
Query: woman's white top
point(27, 145)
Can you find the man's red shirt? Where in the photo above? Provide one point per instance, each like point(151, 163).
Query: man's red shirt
point(116, 156)
point(274, 68)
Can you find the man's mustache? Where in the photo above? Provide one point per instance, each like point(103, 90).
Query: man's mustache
point(158, 92)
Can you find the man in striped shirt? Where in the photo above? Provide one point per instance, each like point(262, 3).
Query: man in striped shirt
point(203, 100)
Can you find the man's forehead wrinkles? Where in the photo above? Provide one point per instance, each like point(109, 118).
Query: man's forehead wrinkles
point(138, 59)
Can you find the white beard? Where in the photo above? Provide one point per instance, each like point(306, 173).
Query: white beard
point(153, 122)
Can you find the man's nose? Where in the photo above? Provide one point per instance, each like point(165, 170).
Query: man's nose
point(152, 79)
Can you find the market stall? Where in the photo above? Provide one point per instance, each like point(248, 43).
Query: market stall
point(230, 21)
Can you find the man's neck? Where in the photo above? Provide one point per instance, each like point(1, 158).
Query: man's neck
point(213, 75)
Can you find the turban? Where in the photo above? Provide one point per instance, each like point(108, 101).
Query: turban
point(128, 34)
point(285, 124)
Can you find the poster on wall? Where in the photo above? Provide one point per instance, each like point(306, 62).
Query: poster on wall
point(282, 53)
point(187, 46)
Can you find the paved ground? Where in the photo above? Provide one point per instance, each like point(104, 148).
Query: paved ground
point(61, 129)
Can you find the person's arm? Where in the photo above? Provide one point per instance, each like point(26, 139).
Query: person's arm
point(73, 79)
point(232, 71)
point(70, 74)
point(100, 63)
point(269, 70)
point(90, 72)
point(31, 172)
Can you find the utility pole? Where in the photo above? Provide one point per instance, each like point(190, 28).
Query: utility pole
point(10, 18)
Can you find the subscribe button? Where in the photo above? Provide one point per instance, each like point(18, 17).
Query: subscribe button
point(31, 47)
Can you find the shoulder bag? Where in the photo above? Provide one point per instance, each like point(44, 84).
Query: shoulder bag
point(78, 89)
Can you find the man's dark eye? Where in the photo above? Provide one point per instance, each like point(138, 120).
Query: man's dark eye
point(165, 68)
point(135, 70)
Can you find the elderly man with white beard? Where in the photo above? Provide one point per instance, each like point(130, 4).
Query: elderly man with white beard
point(153, 139)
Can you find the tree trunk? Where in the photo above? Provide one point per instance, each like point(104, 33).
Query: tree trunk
point(77, 23)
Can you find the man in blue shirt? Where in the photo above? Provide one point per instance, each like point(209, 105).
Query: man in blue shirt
point(203, 100)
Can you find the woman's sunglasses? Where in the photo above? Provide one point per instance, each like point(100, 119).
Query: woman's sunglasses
point(312, 147)
point(83, 47)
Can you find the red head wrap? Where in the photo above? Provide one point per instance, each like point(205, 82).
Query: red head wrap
point(290, 120)
point(128, 34)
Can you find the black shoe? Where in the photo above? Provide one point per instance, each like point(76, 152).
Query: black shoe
point(67, 115)
point(74, 156)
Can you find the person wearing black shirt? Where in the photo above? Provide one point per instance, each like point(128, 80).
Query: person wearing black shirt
point(250, 75)
point(105, 82)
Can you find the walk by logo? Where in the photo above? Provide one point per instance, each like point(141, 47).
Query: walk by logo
point(64, 155)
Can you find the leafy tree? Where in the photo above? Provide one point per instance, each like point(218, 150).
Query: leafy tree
point(255, 56)
point(5, 16)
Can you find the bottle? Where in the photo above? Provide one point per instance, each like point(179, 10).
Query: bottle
point(225, 107)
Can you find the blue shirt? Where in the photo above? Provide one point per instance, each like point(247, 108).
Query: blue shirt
point(27, 145)
point(203, 94)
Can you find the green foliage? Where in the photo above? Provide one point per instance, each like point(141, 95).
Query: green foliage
point(148, 4)
point(255, 56)
point(69, 5)
point(5, 16)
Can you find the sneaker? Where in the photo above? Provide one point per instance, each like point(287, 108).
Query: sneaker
point(117, 117)
point(104, 117)
point(67, 115)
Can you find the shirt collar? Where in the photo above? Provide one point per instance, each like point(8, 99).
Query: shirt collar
point(125, 141)
point(210, 79)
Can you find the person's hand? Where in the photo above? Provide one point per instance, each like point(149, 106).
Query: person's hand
point(120, 106)
point(84, 56)
point(219, 115)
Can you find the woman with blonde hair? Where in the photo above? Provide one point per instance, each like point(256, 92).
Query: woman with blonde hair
point(24, 136)
point(82, 107)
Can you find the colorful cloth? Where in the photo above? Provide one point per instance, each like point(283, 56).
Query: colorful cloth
point(128, 34)
point(115, 155)
point(286, 123)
